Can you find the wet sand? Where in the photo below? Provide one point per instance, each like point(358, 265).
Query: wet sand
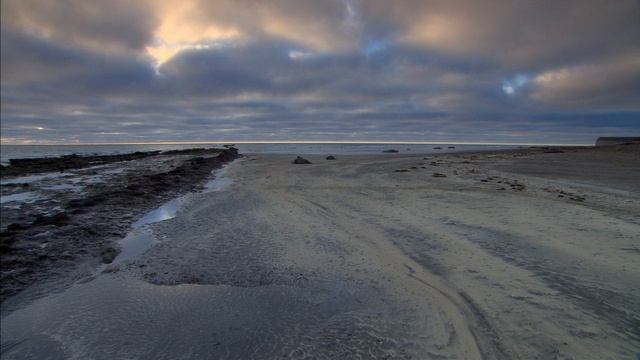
point(508, 255)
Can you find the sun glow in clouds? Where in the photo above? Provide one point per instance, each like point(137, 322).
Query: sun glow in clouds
point(178, 32)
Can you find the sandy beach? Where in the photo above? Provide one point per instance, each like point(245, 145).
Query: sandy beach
point(521, 254)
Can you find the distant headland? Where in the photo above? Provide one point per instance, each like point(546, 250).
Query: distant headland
point(608, 141)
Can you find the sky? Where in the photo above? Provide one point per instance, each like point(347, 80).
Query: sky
point(537, 71)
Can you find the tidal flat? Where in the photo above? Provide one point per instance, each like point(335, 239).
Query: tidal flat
point(516, 254)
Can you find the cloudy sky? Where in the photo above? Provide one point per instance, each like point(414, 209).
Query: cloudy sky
point(347, 70)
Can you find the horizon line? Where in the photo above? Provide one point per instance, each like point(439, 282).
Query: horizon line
point(382, 142)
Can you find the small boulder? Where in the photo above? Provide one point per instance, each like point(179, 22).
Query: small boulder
point(108, 254)
point(440, 175)
point(437, 148)
point(300, 160)
point(331, 157)
point(390, 151)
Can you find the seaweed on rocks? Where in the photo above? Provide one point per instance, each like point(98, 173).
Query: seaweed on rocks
point(37, 246)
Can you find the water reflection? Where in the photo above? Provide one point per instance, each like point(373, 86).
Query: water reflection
point(164, 212)
point(141, 237)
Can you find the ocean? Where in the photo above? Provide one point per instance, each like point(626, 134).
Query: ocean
point(34, 151)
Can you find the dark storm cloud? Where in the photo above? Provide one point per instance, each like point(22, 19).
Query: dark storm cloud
point(293, 70)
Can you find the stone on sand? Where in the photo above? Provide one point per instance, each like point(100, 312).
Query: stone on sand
point(300, 160)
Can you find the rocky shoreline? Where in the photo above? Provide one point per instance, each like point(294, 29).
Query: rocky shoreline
point(91, 202)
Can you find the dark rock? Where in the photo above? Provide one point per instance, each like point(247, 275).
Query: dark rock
point(331, 157)
point(197, 160)
point(401, 170)
point(59, 219)
point(16, 227)
point(300, 160)
point(451, 147)
point(108, 254)
point(437, 148)
point(390, 151)
point(85, 202)
point(18, 167)
point(439, 175)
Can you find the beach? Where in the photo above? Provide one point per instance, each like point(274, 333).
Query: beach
point(516, 254)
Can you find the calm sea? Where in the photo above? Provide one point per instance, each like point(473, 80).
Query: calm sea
point(32, 151)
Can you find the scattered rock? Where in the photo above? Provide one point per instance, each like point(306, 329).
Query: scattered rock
point(300, 160)
point(331, 157)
